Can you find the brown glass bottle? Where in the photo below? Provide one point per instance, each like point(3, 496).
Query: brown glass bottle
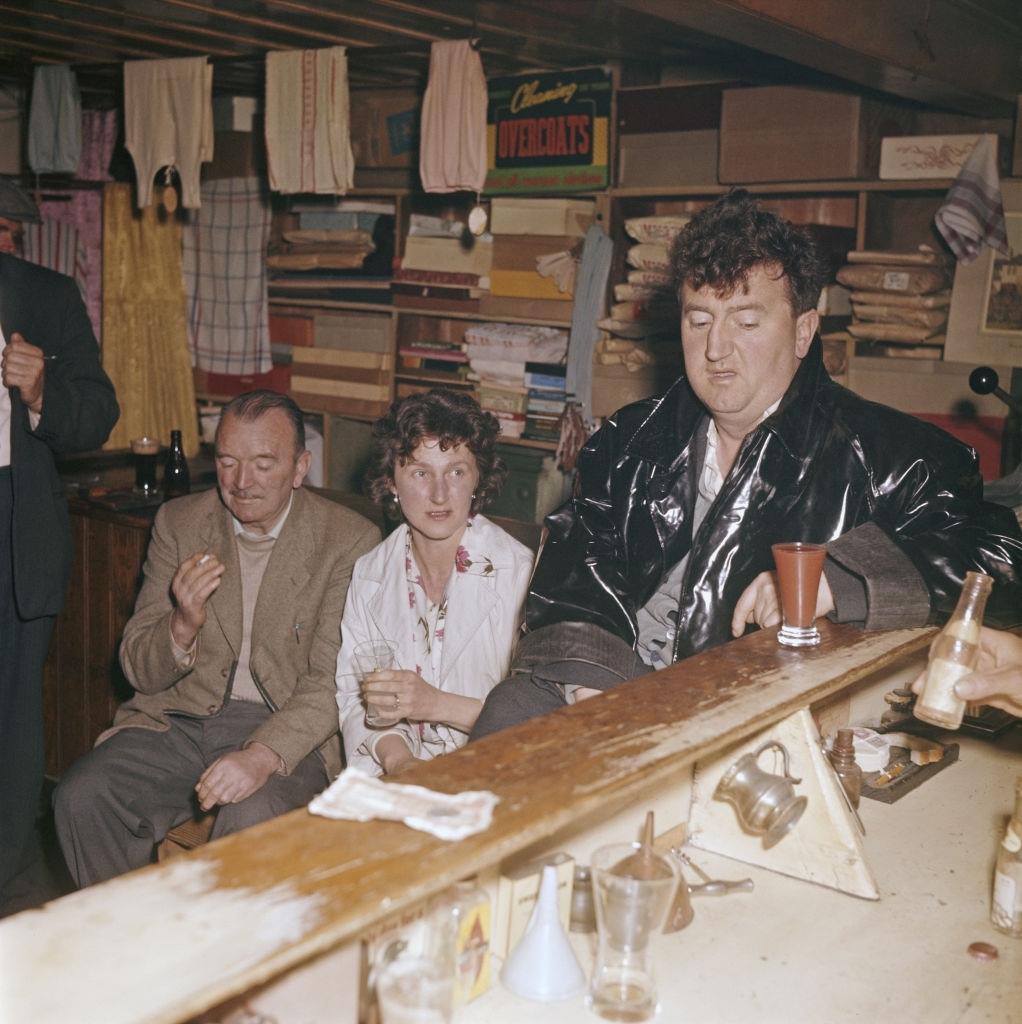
point(842, 757)
point(176, 480)
point(953, 655)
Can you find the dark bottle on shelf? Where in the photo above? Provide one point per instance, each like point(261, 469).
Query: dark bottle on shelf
point(175, 474)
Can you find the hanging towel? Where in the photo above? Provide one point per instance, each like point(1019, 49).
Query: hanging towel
point(168, 122)
point(224, 268)
point(308, 132)
point(972, 214)
point(54, 121)
point(452, 136)
point(590, 292)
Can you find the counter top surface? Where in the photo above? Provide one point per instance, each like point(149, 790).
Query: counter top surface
point(792, 951)
point(169, 941)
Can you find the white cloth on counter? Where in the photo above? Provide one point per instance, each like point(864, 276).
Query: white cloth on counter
point(356, 796)
point(308, 127)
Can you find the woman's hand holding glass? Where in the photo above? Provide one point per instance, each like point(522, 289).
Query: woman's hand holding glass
point(402, 693)
point(371, 658)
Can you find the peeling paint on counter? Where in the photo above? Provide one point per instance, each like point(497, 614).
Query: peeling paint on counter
point(203, 929)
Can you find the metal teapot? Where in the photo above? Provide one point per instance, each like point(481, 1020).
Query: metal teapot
point(766, 804)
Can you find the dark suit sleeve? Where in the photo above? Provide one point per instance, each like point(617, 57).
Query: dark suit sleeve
point(929, 527)
point(79, 406)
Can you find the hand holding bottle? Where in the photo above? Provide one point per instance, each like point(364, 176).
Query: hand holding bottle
point(997, 677)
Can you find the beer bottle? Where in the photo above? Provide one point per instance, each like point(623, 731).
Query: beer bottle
point(175, 473)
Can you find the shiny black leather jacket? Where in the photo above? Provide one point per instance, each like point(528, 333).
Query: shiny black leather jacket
point(826, 465)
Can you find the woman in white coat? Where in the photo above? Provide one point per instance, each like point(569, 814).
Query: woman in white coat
point(446, 588)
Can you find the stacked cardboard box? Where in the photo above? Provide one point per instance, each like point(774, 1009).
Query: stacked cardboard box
point(536, 244)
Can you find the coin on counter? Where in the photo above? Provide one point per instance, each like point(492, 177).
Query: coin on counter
point(983, 951)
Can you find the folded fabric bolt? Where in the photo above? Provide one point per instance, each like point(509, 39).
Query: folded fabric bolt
point(355, 796)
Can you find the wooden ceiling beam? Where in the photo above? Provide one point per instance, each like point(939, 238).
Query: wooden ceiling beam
point(110, 30)
point(286, 27)
point(118, 50)
point(948, 53)
point(258, 43)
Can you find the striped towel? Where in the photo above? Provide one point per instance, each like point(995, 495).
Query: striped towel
point(56, 245)
point(972, 214)
point(224, 269)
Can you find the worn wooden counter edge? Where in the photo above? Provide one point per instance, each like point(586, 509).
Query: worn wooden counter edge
point(347, 876)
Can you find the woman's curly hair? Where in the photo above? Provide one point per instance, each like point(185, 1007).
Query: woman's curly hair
point(453, 418)
point(724, 242)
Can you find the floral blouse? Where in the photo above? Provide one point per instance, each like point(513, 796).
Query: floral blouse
point(427, 617)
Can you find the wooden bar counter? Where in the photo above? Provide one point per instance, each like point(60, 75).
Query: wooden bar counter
point(170, 941)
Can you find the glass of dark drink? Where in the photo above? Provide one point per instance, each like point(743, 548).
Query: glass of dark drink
point(145, 452)
point(799, 567)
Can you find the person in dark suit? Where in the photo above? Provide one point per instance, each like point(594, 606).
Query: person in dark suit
point(55, 398)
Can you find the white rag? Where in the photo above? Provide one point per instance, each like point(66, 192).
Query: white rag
point(356, 796)
point(972, 214)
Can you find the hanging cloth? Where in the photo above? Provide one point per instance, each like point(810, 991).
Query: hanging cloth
point(54, 121)
point(452, 136)
point(972, 214)
point(145, 337)
point(55, 244)
point(308, 131)
point(168, 121)
point(590, 293)
point(224, 261)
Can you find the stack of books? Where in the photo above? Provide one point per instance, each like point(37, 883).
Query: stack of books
point(546, 398)
point(520, 375)
point(443, 266)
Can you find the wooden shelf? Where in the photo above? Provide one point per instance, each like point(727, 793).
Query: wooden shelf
point(781, 188)
point(370, 307)
point(528, 442)
point(413, 378)
point(452, 314)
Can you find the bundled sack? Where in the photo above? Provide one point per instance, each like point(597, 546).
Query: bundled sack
point(885, 314)
point(901, 279)
point(660, 230)
point(935, 300)
point(906, 333)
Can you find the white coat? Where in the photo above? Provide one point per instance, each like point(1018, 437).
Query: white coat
point(484, 616)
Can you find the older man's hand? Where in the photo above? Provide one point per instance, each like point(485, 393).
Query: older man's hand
point(22, 366)
point(760, 603)
point(236, 776)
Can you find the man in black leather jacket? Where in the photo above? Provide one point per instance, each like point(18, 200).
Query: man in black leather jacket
point(665, 549)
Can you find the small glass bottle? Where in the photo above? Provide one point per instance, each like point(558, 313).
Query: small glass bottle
point(954, 655)
point(1006, 906)
point(175, 472)
point(842, 757)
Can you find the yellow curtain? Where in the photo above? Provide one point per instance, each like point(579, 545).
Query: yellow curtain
point(145, 336)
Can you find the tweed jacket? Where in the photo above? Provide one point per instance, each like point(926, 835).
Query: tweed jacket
point(79, 411)
point(484, 617)
point(295, 629)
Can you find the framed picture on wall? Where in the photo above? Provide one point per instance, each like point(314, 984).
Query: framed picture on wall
point(985, 321)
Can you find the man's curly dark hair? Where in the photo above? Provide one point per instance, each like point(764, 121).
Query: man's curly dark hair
point(725, 241)
point(453, 418)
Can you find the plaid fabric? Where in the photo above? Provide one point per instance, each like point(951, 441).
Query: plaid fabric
point(224, 265)
point(56, 245)
point(972, 214)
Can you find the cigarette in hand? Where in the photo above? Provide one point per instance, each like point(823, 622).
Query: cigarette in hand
point(204, 559)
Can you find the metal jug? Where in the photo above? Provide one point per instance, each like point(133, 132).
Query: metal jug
point(766, 804)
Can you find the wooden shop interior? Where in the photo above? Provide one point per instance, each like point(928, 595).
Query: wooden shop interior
point(853, 119)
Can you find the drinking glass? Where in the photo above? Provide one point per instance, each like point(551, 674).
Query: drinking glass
point(630, 912)
point(373, 656)
point(145, 451)
point(799, 567)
